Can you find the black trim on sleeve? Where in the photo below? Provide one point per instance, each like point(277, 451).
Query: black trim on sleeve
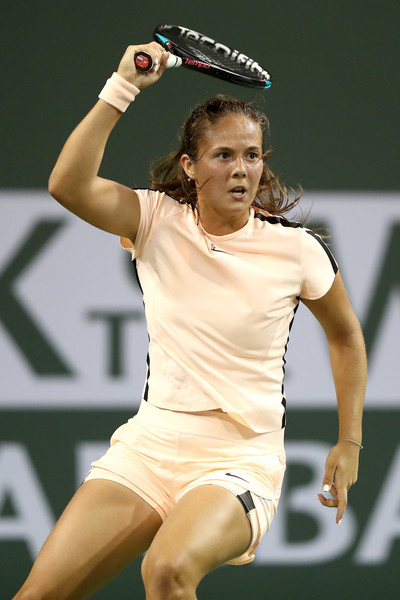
point(285, 223)
point(325, 247)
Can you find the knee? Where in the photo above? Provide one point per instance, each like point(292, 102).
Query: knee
point(168, 577)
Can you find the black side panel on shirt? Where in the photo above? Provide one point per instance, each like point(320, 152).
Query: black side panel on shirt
point(146, 389)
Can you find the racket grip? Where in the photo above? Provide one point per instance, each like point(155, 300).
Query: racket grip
point(144, 61)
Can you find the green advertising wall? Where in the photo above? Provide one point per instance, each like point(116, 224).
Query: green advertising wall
point(367, 567)
point(333, 110)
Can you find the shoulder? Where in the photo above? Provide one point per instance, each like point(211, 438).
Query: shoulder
point(310, 244)
point(313, 243)
point(155, 204)
point(278, 220)
point(279, 224)
point(155, 209)
point(153, 196)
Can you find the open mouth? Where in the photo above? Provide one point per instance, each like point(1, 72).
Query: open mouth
point(238, 191)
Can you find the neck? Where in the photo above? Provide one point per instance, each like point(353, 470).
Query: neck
point(218, 225)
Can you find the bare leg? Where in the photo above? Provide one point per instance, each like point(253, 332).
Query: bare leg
point(103, 528)
point(206, 528)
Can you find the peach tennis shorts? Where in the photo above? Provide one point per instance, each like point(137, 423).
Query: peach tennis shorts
point(162, 454)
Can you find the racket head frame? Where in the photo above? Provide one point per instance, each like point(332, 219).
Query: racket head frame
point(190, 61)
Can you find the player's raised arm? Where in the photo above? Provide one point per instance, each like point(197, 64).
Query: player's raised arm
point(74, 181)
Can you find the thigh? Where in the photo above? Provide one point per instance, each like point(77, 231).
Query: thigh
point(103, 528)
point(206, 528)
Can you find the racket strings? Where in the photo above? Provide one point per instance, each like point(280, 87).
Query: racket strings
point(199, 52)
point(217, 56)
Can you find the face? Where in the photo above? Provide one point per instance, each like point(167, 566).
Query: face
point(228, 169)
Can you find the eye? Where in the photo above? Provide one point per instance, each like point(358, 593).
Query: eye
point(253, 156)
point(223, 155)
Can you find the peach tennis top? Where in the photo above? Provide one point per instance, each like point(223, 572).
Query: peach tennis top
point(219, 308)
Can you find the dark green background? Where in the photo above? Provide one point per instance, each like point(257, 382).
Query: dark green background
point(333, 105)
point(333, 109)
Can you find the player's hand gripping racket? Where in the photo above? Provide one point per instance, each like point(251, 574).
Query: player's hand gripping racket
point(196, 51)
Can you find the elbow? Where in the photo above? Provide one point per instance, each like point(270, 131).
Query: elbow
point(55, 186)
point(52, 188)
point(59, 187)
point(350, 347)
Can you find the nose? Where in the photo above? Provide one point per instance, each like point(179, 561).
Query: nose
point(239, 168)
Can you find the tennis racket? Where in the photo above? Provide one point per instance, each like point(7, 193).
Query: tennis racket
point(198, 52)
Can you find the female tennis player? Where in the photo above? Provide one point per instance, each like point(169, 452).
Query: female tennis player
point(195, 477)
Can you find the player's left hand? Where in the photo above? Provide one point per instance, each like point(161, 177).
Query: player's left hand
point(341, 469)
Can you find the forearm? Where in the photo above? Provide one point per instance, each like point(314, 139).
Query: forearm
point(349, 369)
point(79, 162)
point(74, 179)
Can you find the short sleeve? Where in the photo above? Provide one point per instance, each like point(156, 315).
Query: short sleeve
point(149, 201)
point(319, 266)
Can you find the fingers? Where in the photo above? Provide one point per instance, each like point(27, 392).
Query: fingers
point(329, 476)
point(161, 63)
point(342, 504)
point(127, 68)
point(339, 500)
point(164, 58)
point(340, 474)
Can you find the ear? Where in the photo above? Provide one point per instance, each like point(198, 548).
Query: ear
point(187, 165)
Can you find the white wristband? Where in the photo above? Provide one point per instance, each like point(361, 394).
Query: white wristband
point(118, 92)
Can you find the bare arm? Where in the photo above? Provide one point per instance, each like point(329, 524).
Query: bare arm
point(349, 369)
point(75, 182)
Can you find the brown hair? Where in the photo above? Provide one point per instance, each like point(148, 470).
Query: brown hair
point(167, 174)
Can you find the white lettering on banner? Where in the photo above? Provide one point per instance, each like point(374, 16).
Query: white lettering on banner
point(383, 527)
point(20, 485)
point(72, 329)
point(331, 541)
point(33, 520)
